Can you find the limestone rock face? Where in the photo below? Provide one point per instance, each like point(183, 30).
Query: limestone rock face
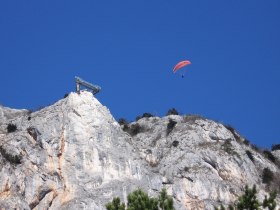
point(74, 155)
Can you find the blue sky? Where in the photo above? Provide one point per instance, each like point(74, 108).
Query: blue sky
point(129, 49)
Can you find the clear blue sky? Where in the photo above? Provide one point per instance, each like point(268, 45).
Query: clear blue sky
point(130, 47)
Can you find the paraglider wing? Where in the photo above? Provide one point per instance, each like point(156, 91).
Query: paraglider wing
point(180, 65)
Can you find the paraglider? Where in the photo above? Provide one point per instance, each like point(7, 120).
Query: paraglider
point(180, 65)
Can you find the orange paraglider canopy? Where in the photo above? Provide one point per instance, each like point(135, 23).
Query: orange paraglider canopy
point(180, 65)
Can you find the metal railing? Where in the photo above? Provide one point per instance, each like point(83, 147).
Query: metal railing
point(94, 88)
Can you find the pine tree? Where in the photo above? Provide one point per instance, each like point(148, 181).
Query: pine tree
point(139, 200)
point(115, 205)
point(270, 202)
point(221, 208)
point(248, 201)
point(165, 201)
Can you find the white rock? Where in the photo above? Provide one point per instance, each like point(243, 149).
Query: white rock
point(80, 158)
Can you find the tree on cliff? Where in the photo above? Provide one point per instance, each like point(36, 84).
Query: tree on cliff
point(115, 205)
point(139, 200)
point(249, 201)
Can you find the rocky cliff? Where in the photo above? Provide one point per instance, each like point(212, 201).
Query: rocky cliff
point(74, 155)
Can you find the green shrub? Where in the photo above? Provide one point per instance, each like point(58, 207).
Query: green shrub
point(171, 124)
point(272, 179)
point(11, 128)
point(246, 142)
point(133, 129)
point(221, 208)
point(175, 143)
point(227, 146)
point(165, 201)
point(276, 182)
point(270, 202)
point(230, 128)
point(250, 155)
point(172, 111)
point(256, 148)
point(269, 156)
point(275, 147)
point(267, 176)
point(115, 205)
point(139, 200)
point(122, 121)
point(145, 115)
point(13, 159)
point(249, 201)
point(234, 133)
point(125, 128)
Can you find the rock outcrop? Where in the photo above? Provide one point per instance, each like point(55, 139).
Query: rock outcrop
point(74, 155)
